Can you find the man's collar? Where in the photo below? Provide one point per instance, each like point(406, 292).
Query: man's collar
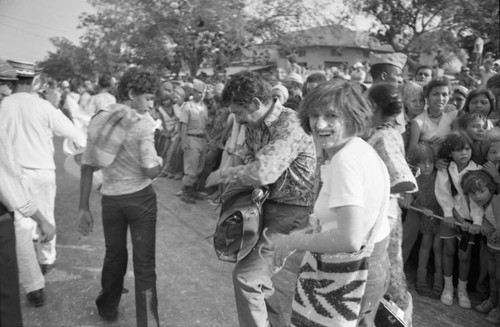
point(273, 114)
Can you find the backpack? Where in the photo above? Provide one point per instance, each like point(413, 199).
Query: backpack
point(240, 222)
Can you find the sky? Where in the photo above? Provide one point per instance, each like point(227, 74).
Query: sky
point(27, 25)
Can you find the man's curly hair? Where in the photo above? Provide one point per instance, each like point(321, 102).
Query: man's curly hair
point(245, 86)
point(138, 81)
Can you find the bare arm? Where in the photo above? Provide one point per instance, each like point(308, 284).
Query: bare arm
point(414, 136)
point(86, 221)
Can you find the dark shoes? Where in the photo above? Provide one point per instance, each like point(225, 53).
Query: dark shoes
point(36, 298)
point(45, 268)
point(186, 197)
point(107, 318)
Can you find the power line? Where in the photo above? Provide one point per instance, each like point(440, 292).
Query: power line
point(41, 25)
point(24, 31)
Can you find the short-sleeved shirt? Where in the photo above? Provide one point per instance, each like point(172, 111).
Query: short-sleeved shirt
point(125, 175)
point(195, 116)
point(99, 102)
point(356, 176)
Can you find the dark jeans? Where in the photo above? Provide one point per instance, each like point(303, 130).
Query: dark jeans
point(256, 300)
point(137, 210)
point(10, 303)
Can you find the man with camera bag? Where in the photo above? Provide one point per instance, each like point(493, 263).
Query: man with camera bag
point(277, 153)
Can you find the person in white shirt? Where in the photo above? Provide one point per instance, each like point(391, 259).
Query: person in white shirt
point(29, 123)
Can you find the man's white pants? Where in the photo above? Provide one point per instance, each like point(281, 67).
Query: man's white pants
point(41, 184)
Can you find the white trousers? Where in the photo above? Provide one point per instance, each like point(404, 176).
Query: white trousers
point(41, 185)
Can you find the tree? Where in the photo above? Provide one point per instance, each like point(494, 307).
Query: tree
point(403, 22)
point(165, 34)
point(68, 62)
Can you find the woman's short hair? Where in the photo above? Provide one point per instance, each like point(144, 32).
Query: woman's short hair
point(386, 97)
point(437, 82)
point(138, 81)
point(474, 93)
point(243, 87)
point(345, 98)
point(477, 180)
point(455, 141)
point(467, 118)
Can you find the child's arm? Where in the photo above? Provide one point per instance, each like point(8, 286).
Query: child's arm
point(476, 212)
point(442, 188)
point(495, 205)
point(491, 169)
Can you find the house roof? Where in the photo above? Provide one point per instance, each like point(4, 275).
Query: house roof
point(338, 36)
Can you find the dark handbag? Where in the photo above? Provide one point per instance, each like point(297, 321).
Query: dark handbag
point(240, 222)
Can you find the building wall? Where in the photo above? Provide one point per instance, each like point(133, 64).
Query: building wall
point(313, 57)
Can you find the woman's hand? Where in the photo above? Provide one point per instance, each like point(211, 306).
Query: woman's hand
point(282, 249)
point(466, 226)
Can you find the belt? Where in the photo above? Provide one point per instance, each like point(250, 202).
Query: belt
point(201, 136)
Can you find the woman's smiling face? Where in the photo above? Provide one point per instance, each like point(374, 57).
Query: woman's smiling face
point(438, 98)
point(328, 129)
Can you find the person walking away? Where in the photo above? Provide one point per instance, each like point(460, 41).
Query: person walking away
point(128, 198)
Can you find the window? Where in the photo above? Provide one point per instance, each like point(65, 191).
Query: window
point(336, 52)
point(301, 53)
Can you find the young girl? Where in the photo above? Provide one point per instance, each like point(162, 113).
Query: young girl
point(480, 188)
point(457, 149)
point(423, 158)
point(474, 124)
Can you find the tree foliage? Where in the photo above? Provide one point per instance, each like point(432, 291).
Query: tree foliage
point(406, 23)
point(68, 62)
point(168, 36)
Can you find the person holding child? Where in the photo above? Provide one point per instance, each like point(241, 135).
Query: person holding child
point(457, 149)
